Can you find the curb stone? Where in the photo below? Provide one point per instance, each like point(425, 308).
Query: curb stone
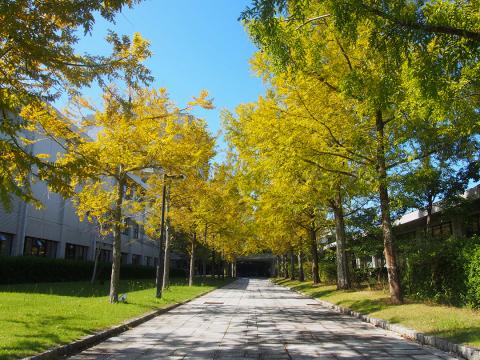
point(464, 351)
point(88, 341)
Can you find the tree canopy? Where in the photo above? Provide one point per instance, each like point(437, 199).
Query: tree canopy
point(38, 64)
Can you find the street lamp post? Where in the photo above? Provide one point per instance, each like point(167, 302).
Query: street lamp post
point(161, 253)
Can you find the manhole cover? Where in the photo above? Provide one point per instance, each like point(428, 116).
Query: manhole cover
point(213, 302)
point(315, 304)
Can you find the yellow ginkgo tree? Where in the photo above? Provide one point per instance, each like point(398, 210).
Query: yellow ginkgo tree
point(186, 215)
point(147, 132)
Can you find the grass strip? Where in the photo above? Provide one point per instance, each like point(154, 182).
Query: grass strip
point(458, 325)
point(36, 317)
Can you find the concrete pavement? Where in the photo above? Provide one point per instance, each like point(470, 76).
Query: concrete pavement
point(254, 319)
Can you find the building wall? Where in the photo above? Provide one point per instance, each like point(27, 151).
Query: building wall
point(411, 226)
point(57, 221)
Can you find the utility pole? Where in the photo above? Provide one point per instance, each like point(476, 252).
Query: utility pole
point(159, 281)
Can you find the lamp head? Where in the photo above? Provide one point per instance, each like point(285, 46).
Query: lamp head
point(176, 176)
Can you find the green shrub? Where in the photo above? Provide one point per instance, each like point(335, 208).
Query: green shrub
point(438, 270)
point(473, 278)
point(307, 269)
point(327, 266)
point(178, 273)
point(371, 277)
point(360, 276)
point(28, 269)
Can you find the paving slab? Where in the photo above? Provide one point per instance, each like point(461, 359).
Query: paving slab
point(255, 319)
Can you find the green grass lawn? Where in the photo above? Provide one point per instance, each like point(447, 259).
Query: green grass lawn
point(460, 325)
point(35, 317)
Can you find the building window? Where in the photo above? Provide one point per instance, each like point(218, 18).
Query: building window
point(148, 261)
point(473, 226)
point(155, 262)
point(105, 255)
point(40, 247)
point(75, 252)
point(136, 259)
point(408, 236)
point(5, 243)
point(378, 261)
point(124, 259)
point(126, 226)
point(442, 231)
point(135, 228)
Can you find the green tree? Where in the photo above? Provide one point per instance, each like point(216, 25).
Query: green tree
point(38, 64)
point(383, 77)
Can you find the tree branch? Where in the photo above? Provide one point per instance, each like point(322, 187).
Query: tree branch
point(320, 17)
point(330, 132)
point(427, 28)
point(311, 162)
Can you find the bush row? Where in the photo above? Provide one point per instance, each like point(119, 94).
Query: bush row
point(445, 271)
point(29, 269)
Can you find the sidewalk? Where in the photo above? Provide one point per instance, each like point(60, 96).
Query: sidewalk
point(255, 319)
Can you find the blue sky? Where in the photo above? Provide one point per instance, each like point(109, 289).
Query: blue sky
point(196, 45)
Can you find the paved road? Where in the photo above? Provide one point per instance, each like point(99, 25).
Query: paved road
point(255, 319)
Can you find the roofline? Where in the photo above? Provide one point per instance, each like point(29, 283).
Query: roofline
point(469, 194)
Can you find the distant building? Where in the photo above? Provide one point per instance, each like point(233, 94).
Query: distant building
point(412, 226)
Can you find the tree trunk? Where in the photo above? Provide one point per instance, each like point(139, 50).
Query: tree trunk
point(204, 269)
point(292, 265)
point(285, 266)
point(279, 267)
point(213, 264)
point(343, 279)
point(161, 250)
point(428, 231)
point(95, 264)
point(166, 263)
point(117, 241)
point(388, 237)
point(192, 261)
point(281, 272)
point(314, 252)
point(204, 261)
point(301, 274)
point(222, 268)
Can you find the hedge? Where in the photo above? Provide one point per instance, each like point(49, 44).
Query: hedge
point(473, 278)
point(29, 269)
point(445, 271)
